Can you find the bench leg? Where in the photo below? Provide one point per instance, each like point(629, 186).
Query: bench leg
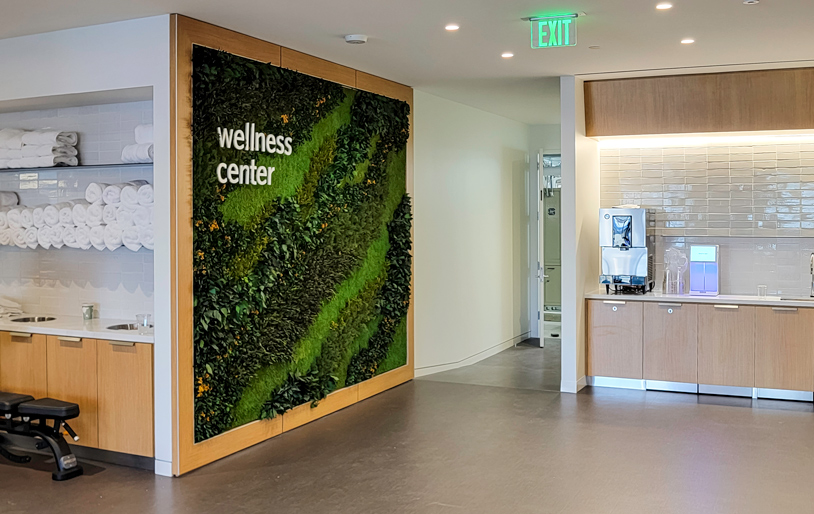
point(17, 459)
point(67, 466)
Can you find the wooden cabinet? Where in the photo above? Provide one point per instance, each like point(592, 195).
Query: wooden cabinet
point(23, 364)
point(784, 348)
point(671, 342)
point(615, 339)
point(72, 378)
point(726, 345)
point(125, 378)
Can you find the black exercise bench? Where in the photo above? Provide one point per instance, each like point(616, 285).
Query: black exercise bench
point(22, 415)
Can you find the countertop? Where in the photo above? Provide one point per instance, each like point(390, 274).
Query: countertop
point(772, 301)
point(75, 326)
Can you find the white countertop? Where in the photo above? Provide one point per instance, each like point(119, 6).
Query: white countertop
point(75, 326)
point(774, 301)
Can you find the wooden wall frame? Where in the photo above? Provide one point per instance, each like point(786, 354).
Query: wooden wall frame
point(184, 33)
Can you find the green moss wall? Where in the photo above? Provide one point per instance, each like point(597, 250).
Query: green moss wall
point(302, 286)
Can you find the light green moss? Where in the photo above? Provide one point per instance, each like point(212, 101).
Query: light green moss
point(397, 353)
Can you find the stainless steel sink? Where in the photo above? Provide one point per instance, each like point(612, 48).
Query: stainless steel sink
point(125, 326)
point(33, 319)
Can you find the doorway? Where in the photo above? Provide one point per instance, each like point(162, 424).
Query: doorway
point(549, 248)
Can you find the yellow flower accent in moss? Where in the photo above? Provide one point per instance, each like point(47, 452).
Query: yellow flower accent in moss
point(214, 225)
point(200, 255)
point(199, 223)
point(285, 118)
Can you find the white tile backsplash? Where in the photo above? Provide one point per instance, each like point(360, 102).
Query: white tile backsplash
point(58, 282)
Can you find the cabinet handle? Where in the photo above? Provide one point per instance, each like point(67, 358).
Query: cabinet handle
point(788, 309)
point(725, 306)
point(20, 334)
point(69, 339)
point(121, 343)
point(669, 304)
point(614, 302)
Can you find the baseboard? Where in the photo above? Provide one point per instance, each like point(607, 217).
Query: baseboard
point(494, 350)
point(572, 386)
point(163, 468)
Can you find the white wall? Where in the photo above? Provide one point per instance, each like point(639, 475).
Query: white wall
point(580, 230)
point(121, 55)
point(546, 138)
point(471, 230)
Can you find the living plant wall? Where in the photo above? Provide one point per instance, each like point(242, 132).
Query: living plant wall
point(301, 238)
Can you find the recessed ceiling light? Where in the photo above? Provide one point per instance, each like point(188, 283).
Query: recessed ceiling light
point(356, 39)
point(595, 47)
point(507, 55)
point(751, 2)
point(664, 6)
point(452, 27)
point(687, 41)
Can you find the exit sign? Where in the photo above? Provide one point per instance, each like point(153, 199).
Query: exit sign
point(554, 31)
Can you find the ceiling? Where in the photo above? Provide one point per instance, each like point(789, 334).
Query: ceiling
point(408, 42)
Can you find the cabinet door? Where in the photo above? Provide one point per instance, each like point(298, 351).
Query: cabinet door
point(615, 339)
point(22, 364)
point(72, 378)
point(726, 345)
point(784, 349)
point(671, 342)
point(125, 397)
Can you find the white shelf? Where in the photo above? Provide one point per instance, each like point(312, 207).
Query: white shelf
point(84, 167)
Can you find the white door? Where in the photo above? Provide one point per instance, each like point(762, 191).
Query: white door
point(540, 248)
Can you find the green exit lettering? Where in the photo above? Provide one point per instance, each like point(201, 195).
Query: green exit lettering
point(553, 32)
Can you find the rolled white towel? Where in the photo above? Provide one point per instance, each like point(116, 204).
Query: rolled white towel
point(3, 164)
point(49, 137)
point(9, 199)
point(145, 237)
point(93, 193)
point(31, 237)
point(56, 236)
point(112, 194)
point(130, 239)
point(69, 237)
point(66, 213)
point(4, 218)
point(142, 216)
point(51, 214)
point(109, 214)
point(138, 153)
point(95, 214)
point(129, 194)
point(18, 236)
point(44, 236)
point(5, 153)
point(83, 237)
point(113, 236)
point(124, 216)
point(27, 217)
point(13, 217)
point(14, 164)
point(11, 139)
point(38, 214)
point(45, 162)
point(48, 150)
point(146, 196)
point(97, 237)
point(5, 236)
point(144, 134)
point(79, 212)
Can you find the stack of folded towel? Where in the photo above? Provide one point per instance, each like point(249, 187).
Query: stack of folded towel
point(142, 151)
point(109, 217)
point(9, 307)
point(37, 148)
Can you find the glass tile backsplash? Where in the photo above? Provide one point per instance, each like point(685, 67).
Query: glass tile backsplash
point(756, 201)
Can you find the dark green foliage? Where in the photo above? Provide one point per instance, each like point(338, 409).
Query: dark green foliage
point(298, 390)
point(264, 273)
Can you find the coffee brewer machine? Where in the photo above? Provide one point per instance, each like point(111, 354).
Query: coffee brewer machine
point(627, 242)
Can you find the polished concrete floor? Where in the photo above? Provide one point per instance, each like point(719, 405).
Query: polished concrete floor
point(444, 447)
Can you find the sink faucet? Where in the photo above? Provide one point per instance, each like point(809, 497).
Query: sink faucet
point(811, 263)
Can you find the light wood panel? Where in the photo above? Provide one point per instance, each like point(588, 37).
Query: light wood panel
point(23, 364)
point(299, 416)
point(72, 378)
point(320, 68)
point(380, 86)
point(726, 345)
point(184, 32)
point(671, 342)
point(719, 102)
point(784, 349)
point(125, 392)
point(386, 381)
point(615, 339)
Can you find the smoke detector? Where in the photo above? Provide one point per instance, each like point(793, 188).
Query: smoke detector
point(356, 39)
